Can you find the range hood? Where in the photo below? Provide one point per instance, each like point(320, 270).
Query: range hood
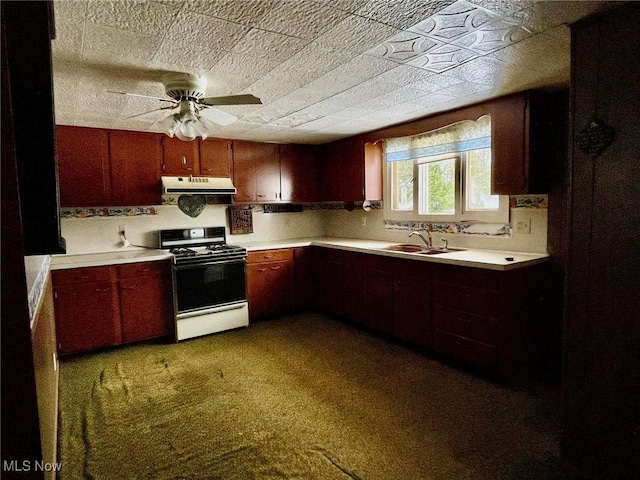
point(197, 185)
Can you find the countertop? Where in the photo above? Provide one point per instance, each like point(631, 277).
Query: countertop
point(487, 259)
point(60, 262)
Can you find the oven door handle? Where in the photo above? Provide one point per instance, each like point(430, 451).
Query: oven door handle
point(221, 308)
point(209, 263)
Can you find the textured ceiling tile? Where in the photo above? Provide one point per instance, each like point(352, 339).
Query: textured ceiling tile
point(492, 37)
point(433, 83)
point(358, 34)
point(403, 47)
point(69, 23)
point(481, 70)
point(202, 30)
point(454, 21)
point(301, 18)
point(139, 16)
point(319, 59)
point(263, 44)
point(126, 44)
point(443, 58)
point(401, 14)
point(365, 67)
point(246, 12)
point(349, 6)
point(234, 73)
point(404, 75)
point(538, 49)
point(541, 16)
point(464, 89)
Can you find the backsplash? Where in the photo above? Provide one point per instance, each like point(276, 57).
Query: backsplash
point(91, 230)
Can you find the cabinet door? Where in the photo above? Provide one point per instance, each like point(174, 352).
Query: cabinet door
point(179, 157)
point(83, 167)
point(412, 310)
point(270, 288)
point(302, 275)
point(136, 160)
point(509, 140)
point(378, 300)
point(86, 317)
point(267, 171)
point(244, 176)
point(299, 180)
point(342, 170)
point(215, 157)
point(146, 307)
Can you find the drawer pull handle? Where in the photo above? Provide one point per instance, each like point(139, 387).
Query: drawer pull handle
point(263, 269)
point(275, 267)
point(129, 287)
point(103, 289)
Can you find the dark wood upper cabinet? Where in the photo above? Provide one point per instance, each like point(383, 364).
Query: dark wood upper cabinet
point(350, 170)
point(215, 157)
point(180, 157)
point(528, 136)
point(83, 166)
point(298, 173)
point(256, 171)
point(135, 159)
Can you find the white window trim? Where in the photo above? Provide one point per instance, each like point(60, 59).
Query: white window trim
point(499, 216)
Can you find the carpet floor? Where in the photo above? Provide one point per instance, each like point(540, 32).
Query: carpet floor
point(300, 397)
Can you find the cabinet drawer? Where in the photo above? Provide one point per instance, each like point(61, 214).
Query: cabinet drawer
point(471, 300)
point(469, 277)
point(474, 327)
point(139, 269)
point(77, 276)
point(261, 256)
point(464, 350)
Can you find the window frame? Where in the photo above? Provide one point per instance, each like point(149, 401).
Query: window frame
point(501, 215)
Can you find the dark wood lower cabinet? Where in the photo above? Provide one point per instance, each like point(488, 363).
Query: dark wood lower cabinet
point(270, 282)
point(98, 307)
point(145, 307)
point(476, 317)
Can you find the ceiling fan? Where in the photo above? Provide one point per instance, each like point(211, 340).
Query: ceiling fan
point(195, 113)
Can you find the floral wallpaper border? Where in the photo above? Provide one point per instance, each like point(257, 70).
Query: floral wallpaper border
point(107, 212)
point(515, 201)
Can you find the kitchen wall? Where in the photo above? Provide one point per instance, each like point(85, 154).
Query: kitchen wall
point(100, 233)
point(370, 225)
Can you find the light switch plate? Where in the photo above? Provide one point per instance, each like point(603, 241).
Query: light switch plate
point(523, 226)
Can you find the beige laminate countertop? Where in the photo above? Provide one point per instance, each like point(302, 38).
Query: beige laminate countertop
point(487, 259)
point(61, 262)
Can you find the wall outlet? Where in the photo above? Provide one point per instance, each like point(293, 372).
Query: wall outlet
point(363, 221)
point(523, 226)
point(122, 230)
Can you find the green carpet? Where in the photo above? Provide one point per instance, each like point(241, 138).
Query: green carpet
point(302, 397)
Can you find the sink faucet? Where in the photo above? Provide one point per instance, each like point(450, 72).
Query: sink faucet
point(428, 243)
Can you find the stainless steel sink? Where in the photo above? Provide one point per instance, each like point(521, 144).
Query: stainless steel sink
point(420, 250)
point(405, 247)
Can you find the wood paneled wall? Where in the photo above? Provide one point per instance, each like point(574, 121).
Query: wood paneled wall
point(601, 431)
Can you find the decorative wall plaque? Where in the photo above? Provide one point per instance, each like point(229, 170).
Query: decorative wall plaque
point(192, 205)
point(240, 219)
point(595, 138)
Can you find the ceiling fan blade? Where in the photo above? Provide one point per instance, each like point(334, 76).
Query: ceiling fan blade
point(150, 111)
point(144, 96)
point(217, 116)
point(231, 100)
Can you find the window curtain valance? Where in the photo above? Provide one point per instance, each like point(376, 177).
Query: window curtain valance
point(459, 137)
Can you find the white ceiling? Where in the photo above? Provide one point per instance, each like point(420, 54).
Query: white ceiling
point(324, 69)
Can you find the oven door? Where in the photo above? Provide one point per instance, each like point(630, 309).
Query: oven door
point(211, 284)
